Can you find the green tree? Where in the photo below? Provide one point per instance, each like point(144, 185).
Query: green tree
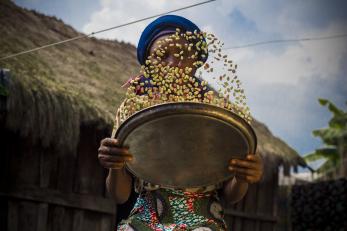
point(334, 138)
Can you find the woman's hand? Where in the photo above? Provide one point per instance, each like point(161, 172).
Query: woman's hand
point(112, 156)
point(249, 170)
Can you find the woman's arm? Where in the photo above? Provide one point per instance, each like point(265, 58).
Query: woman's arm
point(118, 184)
point(234, 190)
point(113, 157)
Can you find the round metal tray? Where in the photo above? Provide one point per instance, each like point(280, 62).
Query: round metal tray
point(184, 145)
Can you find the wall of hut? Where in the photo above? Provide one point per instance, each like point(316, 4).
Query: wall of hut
point(45, 188)
point(257, 211)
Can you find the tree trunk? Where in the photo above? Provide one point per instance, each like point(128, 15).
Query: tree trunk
point(343, 158)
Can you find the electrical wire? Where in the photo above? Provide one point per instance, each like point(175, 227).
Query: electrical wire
point(287, 40)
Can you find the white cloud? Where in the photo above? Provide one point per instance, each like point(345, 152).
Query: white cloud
point(118, 12)
point(296, 62)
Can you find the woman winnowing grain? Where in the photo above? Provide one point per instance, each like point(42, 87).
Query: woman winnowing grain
point(159, 208)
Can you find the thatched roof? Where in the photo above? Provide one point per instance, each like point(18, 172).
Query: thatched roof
point(44, 115)
point(55, 90)
point(275, 151)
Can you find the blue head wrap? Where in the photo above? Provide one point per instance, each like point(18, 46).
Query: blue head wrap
point(163, 25)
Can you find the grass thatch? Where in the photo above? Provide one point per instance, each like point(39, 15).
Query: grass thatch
point(47, 116)
point(54, 90)
point(275, 151)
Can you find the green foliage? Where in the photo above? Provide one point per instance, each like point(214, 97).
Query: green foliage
point(336, 133)
point(334, 138)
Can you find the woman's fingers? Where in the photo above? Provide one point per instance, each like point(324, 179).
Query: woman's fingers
point(243, 163)
point(110, 142)
point(116, 151)
point(249, 169)
point(244, 171)
point(115, 159)
point(251, 162)
point(114, 162)
point(253, 158)
point(111, 155)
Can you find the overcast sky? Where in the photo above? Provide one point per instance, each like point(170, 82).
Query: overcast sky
point(282, 81)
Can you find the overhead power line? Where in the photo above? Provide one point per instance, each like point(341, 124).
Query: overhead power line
point(104, 30)
point(287, 41)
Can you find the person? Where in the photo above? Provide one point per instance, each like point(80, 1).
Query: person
point(160, 208)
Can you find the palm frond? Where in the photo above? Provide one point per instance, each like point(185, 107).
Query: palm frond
point(332, 107)
point(326, 166)
point(329, 153)
point(314, 156)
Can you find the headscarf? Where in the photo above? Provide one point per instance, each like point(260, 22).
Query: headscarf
point(162, 26)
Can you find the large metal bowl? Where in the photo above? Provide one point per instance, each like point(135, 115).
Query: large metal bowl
point(184, 145)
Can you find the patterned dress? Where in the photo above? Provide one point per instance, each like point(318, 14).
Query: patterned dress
point(163, 209)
